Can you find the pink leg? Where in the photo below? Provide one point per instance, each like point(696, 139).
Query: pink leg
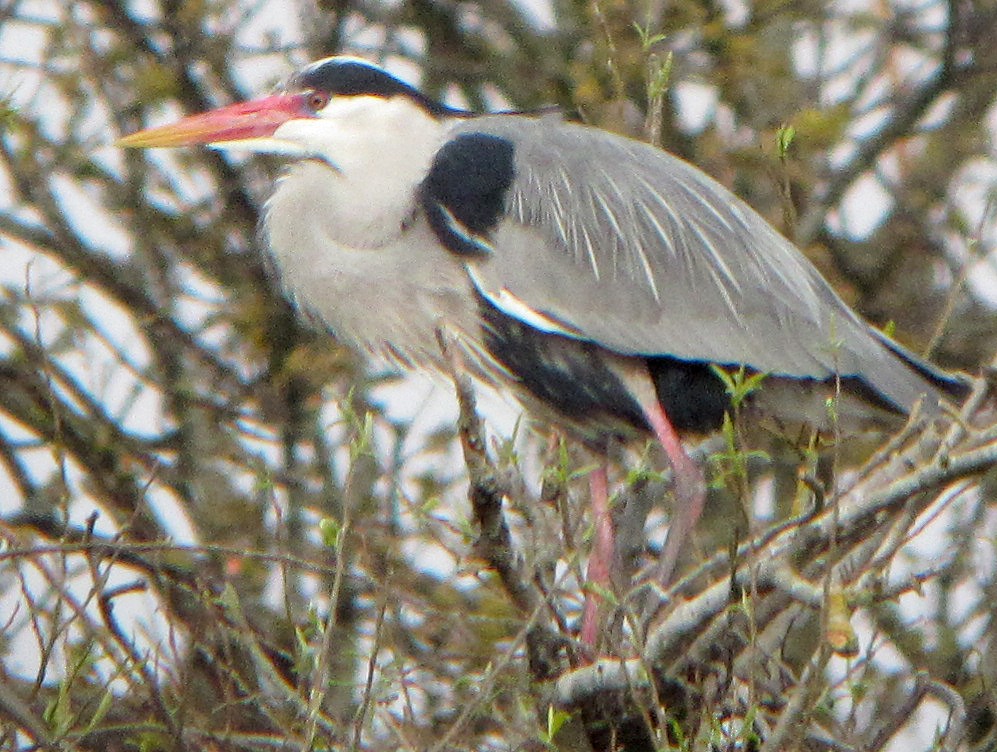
point(689, 485)
point(601, 558)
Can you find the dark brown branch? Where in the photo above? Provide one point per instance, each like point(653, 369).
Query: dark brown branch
point(485, 492)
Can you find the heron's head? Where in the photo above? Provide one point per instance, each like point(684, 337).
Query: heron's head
point(326, 111)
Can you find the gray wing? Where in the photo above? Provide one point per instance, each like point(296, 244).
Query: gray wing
point(613, 241)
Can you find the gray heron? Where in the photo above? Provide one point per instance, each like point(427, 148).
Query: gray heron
point(601, 278)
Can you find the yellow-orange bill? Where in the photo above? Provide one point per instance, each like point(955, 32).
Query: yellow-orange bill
point(237, 122)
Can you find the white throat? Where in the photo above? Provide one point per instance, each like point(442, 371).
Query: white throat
point(348, 240)
point(373, 153)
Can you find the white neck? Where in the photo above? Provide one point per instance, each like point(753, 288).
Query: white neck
point(379, 151)
point(345, 234)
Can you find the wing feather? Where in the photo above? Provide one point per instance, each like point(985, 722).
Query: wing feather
point(638, 251)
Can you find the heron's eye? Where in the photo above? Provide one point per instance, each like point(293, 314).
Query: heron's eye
point(316, 100)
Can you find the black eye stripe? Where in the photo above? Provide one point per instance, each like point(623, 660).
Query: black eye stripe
point(338, 77)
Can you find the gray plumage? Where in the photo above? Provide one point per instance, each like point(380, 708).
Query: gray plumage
point(638, 251)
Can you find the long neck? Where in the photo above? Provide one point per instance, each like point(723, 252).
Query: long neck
point(352, 249)
point(372, 162)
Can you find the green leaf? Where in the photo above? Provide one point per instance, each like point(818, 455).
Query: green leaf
point(831, 406)
point(57, 714)
point(8, 113)
point(583, 471)
point(228, 599)
point(605, 593)
point(430, 505)
point(660, 76)
point(555, 722)
point(647, 39)
point(784, 139)
point(739, 384)
point(102, 707)
point(331, 531)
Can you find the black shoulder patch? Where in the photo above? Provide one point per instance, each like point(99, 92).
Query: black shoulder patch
point(356, 78)
point(464, 193)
